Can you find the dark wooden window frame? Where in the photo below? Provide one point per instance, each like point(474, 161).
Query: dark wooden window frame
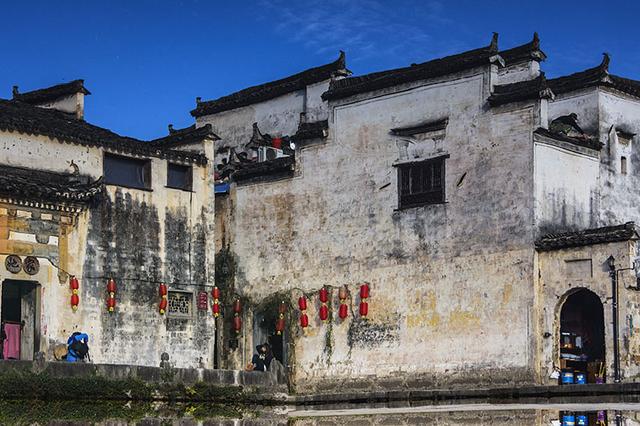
point(189, 183)
point(407, 196)
point(145, 163)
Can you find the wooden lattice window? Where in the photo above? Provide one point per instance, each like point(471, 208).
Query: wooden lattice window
point(421, 182)
point(180, 303)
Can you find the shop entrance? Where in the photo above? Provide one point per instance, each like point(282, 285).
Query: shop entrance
point(19, 323)
point(582, 344)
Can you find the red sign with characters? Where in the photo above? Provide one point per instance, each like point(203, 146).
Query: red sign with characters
point(203, 300)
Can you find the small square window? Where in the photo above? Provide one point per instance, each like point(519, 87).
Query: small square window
point(421, 183)
point(127, 172)
point(180, 304)
point(179, 177)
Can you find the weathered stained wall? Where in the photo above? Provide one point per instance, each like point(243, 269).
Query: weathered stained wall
point(138, 237)
point(444, 277)
point(566, 186)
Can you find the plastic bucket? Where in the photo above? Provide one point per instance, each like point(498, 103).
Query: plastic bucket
point(582, 420)
point(568, 420)
point(567, 377)
point(580, 379)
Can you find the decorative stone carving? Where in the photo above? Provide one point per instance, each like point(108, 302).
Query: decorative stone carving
point(31, 265)
point(13, 263)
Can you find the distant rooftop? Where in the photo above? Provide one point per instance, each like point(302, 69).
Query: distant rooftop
point(50, 93)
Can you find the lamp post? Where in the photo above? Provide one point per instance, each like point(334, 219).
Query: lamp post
point(611, 262)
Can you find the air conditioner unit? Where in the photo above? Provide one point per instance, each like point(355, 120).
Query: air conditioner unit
point(267, 153)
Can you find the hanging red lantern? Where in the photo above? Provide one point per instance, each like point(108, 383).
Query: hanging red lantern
point(364, 309)
point(237, 324)
point(75, 301)
point(74, 285)
point(343, 311)
point(304, 321)
point(324, 295)
point(162, 291)
point(364, 291)
point(215, 293)
point(237, 306)
point(111, 298)
point(324, 312)
point(302, 303)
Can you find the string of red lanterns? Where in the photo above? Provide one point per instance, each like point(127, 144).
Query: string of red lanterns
point(343, 310)
point(162, 291)
point(111, 298)
point(74, 285)
point(304, 319)
point(215, 308)
point(324, 309)
point(364, 295)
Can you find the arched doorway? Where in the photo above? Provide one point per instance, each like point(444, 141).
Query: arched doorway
point(582, 344)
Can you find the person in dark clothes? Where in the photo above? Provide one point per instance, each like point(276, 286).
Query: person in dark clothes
point(262, 359)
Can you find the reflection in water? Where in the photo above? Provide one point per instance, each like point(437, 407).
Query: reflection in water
point(113, 413)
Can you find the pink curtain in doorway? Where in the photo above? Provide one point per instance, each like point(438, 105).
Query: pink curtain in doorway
point(11, 344)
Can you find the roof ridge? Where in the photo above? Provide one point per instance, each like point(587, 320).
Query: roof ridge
point(274, 88)
point(429, 69)
point(524, 52)
point(51, 92)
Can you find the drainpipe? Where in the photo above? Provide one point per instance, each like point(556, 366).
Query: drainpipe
point(614, 290)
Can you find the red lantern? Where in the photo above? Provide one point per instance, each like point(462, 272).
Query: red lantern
point(237, 306)
point(216, 310)
point(364, 309)
point(237, 324)
point(162, 291)
point(74, 285)
point(304, 321)
point(282, 308)
point(324, 312)
point(324, 295)
point(163, 305)
point(215, 293)
point(302, 303)
point(111, 298)
point(343, 311)
point(364, 291)
point(75, 301)
point(111, 286)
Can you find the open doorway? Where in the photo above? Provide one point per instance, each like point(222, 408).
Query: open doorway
point(19, 320)
point(264, 331)
point(582, 340)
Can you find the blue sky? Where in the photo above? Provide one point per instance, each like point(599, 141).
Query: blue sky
point(146, 61)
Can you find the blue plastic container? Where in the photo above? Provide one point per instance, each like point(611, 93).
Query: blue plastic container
point(567, 377)
point(582, 420)
point(568, 420)
point(580, 379)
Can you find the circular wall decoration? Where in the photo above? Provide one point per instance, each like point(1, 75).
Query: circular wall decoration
point(13, 263)
point(31, 265)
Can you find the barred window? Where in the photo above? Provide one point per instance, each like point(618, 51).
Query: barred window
point(180, 303)
point(421, 182)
